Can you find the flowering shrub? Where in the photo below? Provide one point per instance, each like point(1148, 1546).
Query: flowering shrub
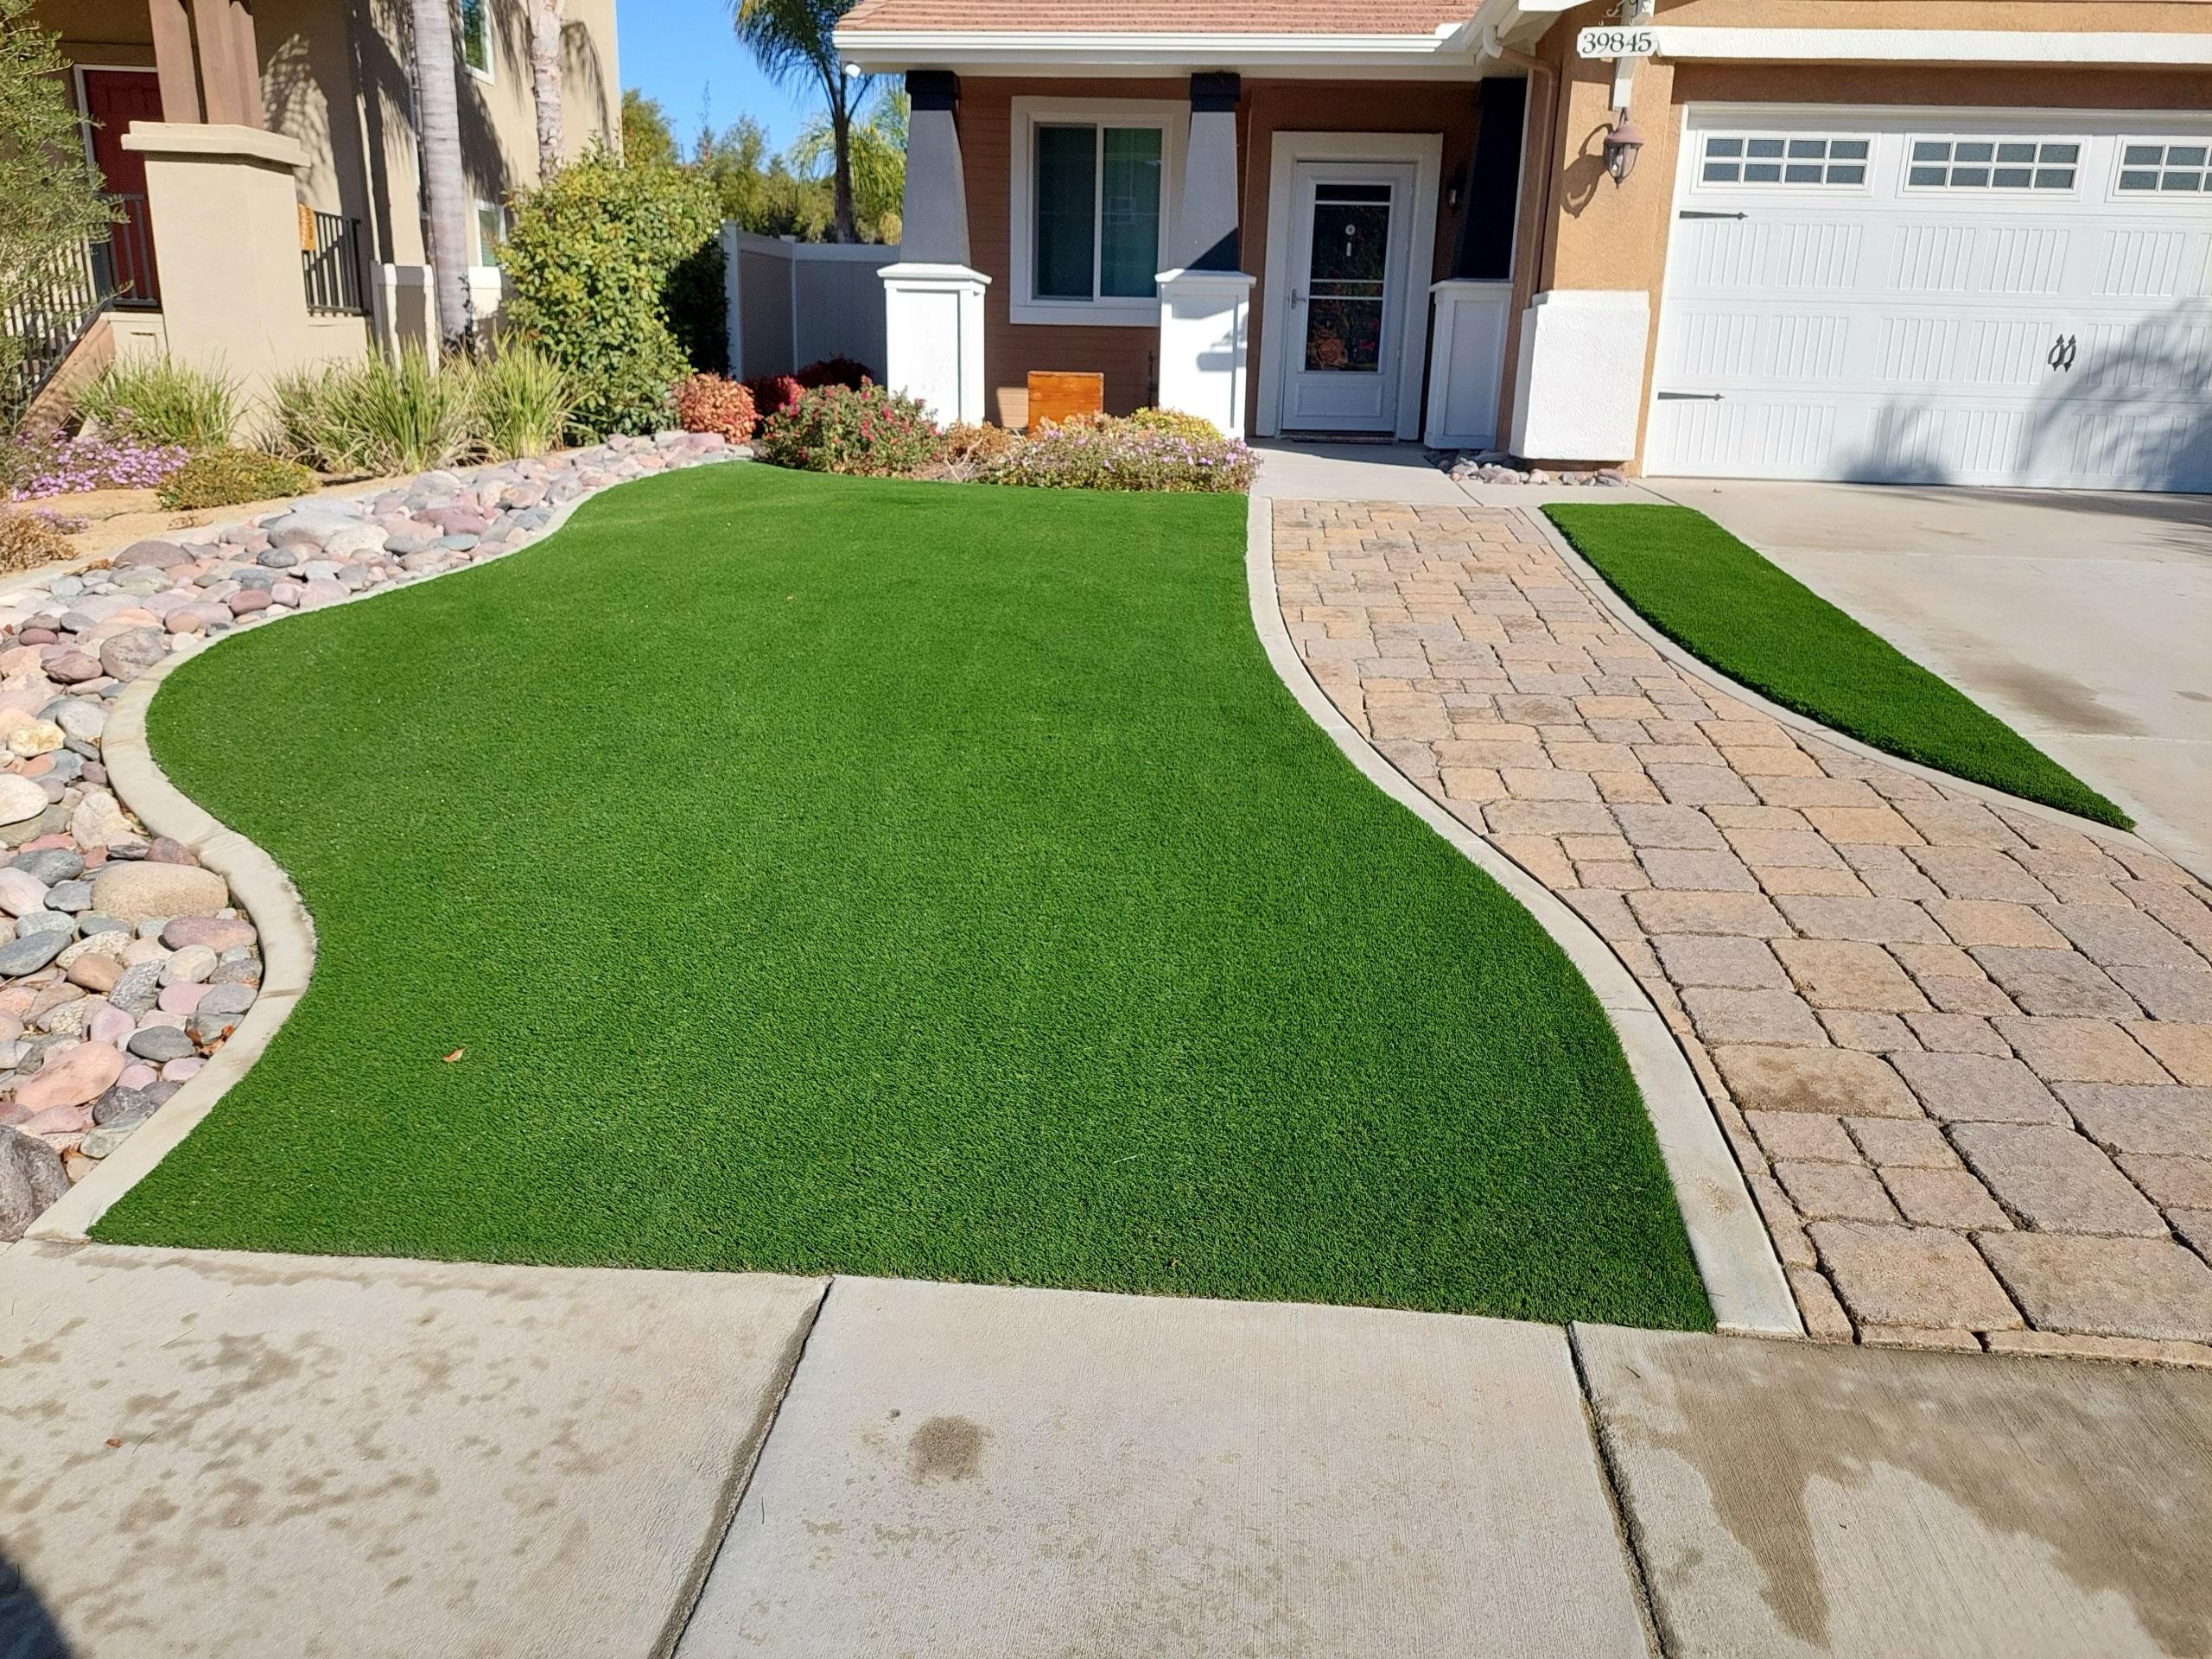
point(707, 402)
point(1122, 454)
point(224, 477)
point(972, 451)
point(32, 468)
point(772, 394)
point(866, 430)
point(835, 372)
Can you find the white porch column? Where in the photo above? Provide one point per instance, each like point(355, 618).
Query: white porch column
point(1205, 301)
point(1205, 326)
point(934, 319)
point(933, 298)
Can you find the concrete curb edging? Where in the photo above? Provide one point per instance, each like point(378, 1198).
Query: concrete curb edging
point(1622, 612)
point(1734, 1255)
point(259, 886)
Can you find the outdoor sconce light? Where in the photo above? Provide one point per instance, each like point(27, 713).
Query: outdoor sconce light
point(1622, 143)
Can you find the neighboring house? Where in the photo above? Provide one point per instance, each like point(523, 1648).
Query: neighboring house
point(266, 161)
point(1887, 239)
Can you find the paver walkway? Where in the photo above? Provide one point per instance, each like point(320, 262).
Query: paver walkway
point(1964, 1054)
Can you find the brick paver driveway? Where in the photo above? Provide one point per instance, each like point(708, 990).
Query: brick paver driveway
point(1963, 1053)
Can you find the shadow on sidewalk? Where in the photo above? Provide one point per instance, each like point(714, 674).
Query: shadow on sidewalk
point(27, 1630)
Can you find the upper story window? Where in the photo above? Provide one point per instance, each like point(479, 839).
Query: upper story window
point(1092, 186)
point(476, 36)
point(2165, 168)
point(1734, 158)
point(1992, 164)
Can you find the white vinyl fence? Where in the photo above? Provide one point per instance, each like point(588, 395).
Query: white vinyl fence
point(793, 303)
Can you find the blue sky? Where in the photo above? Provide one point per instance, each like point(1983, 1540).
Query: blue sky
point(677, 50)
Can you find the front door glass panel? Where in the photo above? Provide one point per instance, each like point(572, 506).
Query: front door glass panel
point(1347, 287)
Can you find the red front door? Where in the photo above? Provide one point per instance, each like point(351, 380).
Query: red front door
point(114, 99)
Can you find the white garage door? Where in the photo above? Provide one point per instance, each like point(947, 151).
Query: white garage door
point(2013, 297)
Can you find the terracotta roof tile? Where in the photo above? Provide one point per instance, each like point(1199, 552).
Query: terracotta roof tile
point(1161, 16)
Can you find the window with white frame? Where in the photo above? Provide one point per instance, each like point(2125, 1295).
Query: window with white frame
point(1992, 164)
point(1092, 187)
point(2165, 168)
point(491, 231)
point(476, 36)
point(1744, 158)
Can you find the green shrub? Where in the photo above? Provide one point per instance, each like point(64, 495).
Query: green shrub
point(522, 401)
point(224, 477)
point(1196, 427)
point(160, 400)
point(591, 253)
point(406, 414)
point(870, 431)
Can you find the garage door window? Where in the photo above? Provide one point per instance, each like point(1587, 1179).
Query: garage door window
point(1733, 158)
point(2165, 168)
point(1992, 164)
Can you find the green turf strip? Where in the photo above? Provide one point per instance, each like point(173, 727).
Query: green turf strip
point(1723, 602)
point(930, 879)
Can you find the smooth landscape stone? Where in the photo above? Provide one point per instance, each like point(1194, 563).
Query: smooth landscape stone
point(72, 666)
point(157, 1044)
point(45, 921)
point(247, 601)
point(229, 1000)
point(30, 952)
point(182, 997)
point(150, 555)
point(99, 821)
point(72, 1075)
point(95, 971)
point(138, 988)
point(21, 891)
point(124, 1101)
point(189, 966)
point(103, 1141)
point(78, 718)
point(110, 1023)
point(129, 654)
point(71, 896)
point(133, 890)
point(52, 866)
point(164, 850)
point(182, 1070)
point(218, 933)
point(21, 800)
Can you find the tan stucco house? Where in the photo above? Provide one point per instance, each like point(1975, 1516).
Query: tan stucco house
point(265, 159)
point(1888, 240)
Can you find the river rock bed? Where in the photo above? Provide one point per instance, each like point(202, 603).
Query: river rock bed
point(123, 964)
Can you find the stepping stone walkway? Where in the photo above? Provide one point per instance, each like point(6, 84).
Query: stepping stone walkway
point(123, 966)
point(1963, 1053)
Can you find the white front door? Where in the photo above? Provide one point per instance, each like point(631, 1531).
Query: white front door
point(1936, 295)
point(1351, 234)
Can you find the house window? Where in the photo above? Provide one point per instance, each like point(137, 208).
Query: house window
point(491, 231)
point(1734, 159)
point(1991, 164)
point(1097, 212)
point(1092, 188)
point(2164, 168)
point(476, 36)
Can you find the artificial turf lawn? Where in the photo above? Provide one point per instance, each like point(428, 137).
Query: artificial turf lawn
point(1726, 604)
point(827, 874)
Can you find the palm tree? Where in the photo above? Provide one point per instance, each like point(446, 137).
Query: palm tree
point(545, 82)
point(437, 96)
point(875, 162)
point(791, 40)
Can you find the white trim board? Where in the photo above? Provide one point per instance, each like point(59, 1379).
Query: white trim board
point(1930, 46)
point(1425, 151)
point(1448, 53)
point(1172, 117)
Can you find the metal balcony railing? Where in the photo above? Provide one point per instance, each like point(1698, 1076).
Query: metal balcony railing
point(125, 263)
point(333, 267)
point(65, 294)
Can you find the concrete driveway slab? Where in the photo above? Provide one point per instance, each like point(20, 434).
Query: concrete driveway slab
point(2078, 616)
point(1790, 1500)
point(987, 1472)
point(257, 1455)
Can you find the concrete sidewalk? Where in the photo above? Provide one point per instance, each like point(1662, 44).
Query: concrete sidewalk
point(212, 1453)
